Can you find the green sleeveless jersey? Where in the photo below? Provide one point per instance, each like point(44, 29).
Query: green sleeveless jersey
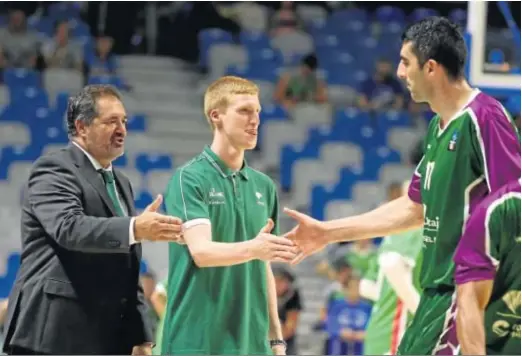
point(490, 250)
point(477, 152)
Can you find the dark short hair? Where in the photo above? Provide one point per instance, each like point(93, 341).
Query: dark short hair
point(310, 61)
point(439, 39)
point(82, 106)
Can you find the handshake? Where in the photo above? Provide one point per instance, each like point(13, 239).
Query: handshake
point(307, 237)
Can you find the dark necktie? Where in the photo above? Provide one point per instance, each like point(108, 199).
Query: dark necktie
point(110, 185)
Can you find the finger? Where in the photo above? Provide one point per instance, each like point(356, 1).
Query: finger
point(287, 256)
point(154, 206)
point(294, 214)
point(291, 249)
point(281, 240)
point(298, 258)
point(168, 219)
point(268, 227)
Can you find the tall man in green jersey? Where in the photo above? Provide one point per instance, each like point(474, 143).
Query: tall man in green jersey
point(488, 276)
point(221, 292)
point(397, 291)
point(472, 148)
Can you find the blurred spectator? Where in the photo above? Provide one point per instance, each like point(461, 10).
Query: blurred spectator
point(102, 60)
point(394, 191)
point(302, 85)
point(159, 303)
point(341, 273)
point(148, 282)
point(285, 19)
point(19, 46)
point(289, 305)
point(382, 90)
point(60, 52)
point(357, 315)
point(3, 317)
point(360, 255)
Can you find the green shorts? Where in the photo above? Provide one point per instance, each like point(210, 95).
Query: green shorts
point(433, 330)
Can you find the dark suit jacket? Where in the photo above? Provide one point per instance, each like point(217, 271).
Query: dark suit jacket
point(77, 290)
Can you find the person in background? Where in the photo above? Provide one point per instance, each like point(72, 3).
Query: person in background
point(301, 85)
point(60, 52)
point(346, 322)
point(382, 90)
point(397, 290)
point(285, 19)
point(159, 303)
point(341, 274)
point(102, 60)
point(19, 45)
point(360, 256)
point(289, 305)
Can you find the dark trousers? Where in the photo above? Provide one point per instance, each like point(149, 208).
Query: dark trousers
point(15, 350)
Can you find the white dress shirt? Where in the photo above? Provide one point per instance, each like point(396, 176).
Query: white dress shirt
point(97, 166)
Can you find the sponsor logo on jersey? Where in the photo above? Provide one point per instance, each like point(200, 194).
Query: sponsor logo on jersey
point(259, 197)
point(508, 325)
point(216, 198)
point(453, 142)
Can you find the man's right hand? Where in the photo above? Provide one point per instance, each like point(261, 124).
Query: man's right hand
point(271, 248)
point(152, 226)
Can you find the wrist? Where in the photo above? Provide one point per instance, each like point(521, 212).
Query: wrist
point(250, 249)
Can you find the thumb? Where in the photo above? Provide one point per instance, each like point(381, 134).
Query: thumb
point(294, 214)
point(154, 206)
point(268, 227)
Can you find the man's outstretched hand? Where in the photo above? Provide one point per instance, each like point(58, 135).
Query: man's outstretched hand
point(309, 234)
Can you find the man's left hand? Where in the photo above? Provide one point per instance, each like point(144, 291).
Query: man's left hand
point(279, 350)
point(142, 350)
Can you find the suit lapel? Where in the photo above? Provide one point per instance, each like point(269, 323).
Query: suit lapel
point(124, 188)
point(94, 178)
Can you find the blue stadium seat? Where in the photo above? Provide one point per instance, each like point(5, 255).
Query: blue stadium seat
point(148, 162)
point(421, 13)
point(142, 199)
point(289, 156)
point(61, 102)
point(107, 79)
point(121, 162)
point(21, 78)
point(10, 154)
point(375, 158)
point(387, 14)
point(137, 123)
point(389, 119)
point(264, 56)
point(348, 15)
point(79, 28)
point(64, 10)
point(209, 37)
point(342, 190)
point(29, 97)
point(459, 16)
point(254, 40)
point(7, 281)
point(496, 56)
point(268, 72)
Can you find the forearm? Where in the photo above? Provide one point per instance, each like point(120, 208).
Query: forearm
point(218, 254)
point(470, 327)
point(369, 289)
point(396, 216)
point(400, 278)
point(274, 332)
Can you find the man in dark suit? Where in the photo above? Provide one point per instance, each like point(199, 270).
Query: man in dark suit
point(77, 290)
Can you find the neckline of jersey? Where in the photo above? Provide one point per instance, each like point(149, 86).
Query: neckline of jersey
point(472, 97)
point(221, 166)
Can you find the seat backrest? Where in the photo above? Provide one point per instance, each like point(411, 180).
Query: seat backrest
point(306, 173)
point(275, 135)
point(14, 133)
point(337, 209)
